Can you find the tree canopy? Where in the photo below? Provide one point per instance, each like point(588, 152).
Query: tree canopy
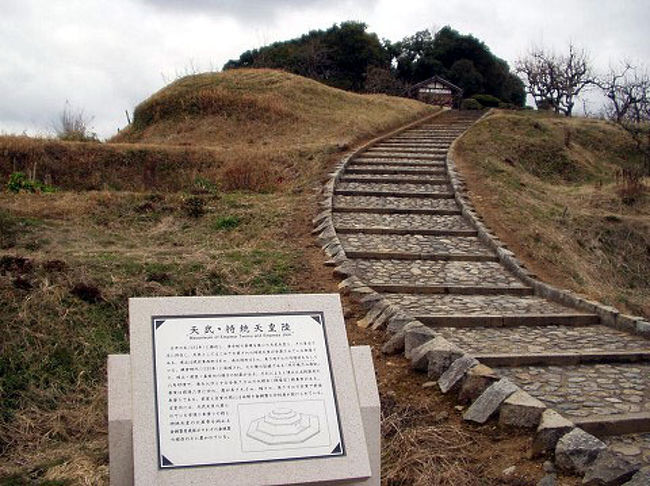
point(347, 56)
point(339, 56)
point(463, 59)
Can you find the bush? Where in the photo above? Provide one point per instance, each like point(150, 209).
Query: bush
point(72, 126)
point(18, 181)
point(205, 186)
point(507, 106)
point(470, 104)
point(545, 105)
point(194, 206)
point(226, 223)
point(487, 100)
point(629, 185)
point(8, 233)
point(249, 174)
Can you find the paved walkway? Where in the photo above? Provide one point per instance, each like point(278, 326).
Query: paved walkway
point(396, 218)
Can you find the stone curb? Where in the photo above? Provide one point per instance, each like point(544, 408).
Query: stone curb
point(455, 370)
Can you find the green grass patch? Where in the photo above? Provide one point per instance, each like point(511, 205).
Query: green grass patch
point(226, 223)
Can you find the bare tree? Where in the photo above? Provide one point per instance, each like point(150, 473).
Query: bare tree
point(628, 91)
point(556, 80)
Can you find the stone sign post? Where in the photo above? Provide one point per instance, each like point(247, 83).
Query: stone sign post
point(255, 390)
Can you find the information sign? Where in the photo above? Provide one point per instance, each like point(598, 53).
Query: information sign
point(243, 388)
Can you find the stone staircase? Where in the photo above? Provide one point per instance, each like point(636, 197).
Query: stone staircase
point(412, 252)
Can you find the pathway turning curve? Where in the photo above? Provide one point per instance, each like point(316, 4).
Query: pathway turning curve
point(402, 233)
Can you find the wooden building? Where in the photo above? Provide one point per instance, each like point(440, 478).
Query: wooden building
point(436, 91)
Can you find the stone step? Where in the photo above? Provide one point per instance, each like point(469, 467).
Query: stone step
point(461, 124)
point(618, 424)
point(394, 179)
point(395, 210)
point(413, 244)
point(433, 128)
point(412, 143)
point(431, 132)
point(444, 311)
point(587, 390)
point(409, 148)
point(420, 140)
point(453, 289)
point(401, 255)
point(397, 154)
point(388, 187)
point(385, 230)
point(423, 139)
point(415, 204)
point(393, 193)
point(562, 359)
point(499, 320)
point(430, 136)
point(531, 343)
point(415, 147)
point(437, 277)
point(431, 148)
point(634, 447)
point(403, 223)
point(400, 162)
point(356, 169)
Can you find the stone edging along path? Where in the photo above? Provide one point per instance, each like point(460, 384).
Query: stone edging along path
point(398, 227)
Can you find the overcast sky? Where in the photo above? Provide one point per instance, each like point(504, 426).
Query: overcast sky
point(105, 56)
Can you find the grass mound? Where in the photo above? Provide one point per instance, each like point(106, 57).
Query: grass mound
point(556, 149)
point(261, 107)
point(248, 129)
point(556, 191)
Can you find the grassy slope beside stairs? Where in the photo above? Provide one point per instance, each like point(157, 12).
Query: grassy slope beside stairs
point(551, 188)
point(234, 221)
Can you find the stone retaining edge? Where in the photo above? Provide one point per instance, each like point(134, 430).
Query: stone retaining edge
point(452, 367)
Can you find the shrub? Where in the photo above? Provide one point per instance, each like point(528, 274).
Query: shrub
point(249, 174)
point(194, 206)
point(18, 181)
point(204, 186)
point(226, 223)
point(72, 126)
point(8, 233)
point(470, 104)
point(629, 185)
point(509, 106)
point(545, 105)
point(487, 100)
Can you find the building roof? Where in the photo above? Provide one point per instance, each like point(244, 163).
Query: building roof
point(438, 79)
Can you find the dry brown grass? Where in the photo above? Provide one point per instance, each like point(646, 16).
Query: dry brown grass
point(420, 450)
point(56, 338)
point(265, 108)
point(96, 166)
point(241, 129)
point(556, 202)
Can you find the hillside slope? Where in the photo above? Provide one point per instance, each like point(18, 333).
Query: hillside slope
point(254, 129)
point(552, 189)
point(261, 107)
point(169, 219)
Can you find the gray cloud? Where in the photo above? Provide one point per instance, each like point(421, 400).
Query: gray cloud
point(249, 10)
point(106, 56)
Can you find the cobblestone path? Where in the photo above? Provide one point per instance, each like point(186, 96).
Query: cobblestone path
point(396, 218)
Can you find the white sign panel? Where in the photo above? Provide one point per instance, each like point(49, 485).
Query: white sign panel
point(243, 388)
